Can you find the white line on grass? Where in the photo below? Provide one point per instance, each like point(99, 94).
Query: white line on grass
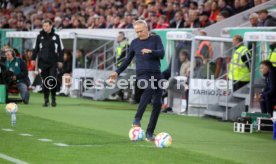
point(45, 140)
point(8, 130)
point(25, 134)
point(88, 145)
point(11, 159)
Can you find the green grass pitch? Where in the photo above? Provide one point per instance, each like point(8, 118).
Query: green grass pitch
point(97, 132)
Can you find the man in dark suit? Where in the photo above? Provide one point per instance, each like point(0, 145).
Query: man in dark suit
point(268, 96)
point(178, 20)
point(266, 19)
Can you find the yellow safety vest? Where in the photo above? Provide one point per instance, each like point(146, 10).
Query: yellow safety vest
point(272, 57)
point(238, 71)
point(120, 49)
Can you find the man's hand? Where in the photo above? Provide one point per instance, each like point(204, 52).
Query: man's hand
point(60, 64)
point(146, 51)
point(113, 76)
point(33, 62)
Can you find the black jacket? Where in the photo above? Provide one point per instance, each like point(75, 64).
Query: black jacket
point(174, 24)
point(269, 21)
point(270, 87)
point(49, 49)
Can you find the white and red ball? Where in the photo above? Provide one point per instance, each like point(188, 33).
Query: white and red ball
point(11, 108)
point(163, 140)
point(136, 134)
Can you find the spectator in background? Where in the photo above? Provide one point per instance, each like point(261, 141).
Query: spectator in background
point(178, 20)
point(207, 7)
point(266, 19)
point(129, 22)
point(222, 15)
point(204, 20)
point(195, 23)
point(65, 74)
point(77, 24)
point(254, 19)
point(214, 12)
point(58, 23)
point(66, 23)
point(162, 22)
point(80, 60)
point(21, 26)
point(257, 2)
point(101, 22)
point(27, 58)
point(244, 5)
point(193, 5)
point(225, 7)
point(268, 96)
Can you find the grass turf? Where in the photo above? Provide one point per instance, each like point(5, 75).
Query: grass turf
point(97, 132)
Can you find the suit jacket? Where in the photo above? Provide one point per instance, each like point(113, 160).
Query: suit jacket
point(270, 85)
point(174, 24)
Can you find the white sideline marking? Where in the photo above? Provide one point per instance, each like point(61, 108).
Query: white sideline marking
point(26, 134)
point(11, 159)
point(88, 145)
point(61, 144)
point(45, 140)
point(8, 130)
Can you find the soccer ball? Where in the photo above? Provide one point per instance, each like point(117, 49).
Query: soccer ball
point(11, 108)
point(163, 140)
point(136, 134)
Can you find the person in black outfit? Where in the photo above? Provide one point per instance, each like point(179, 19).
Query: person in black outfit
point(64, 73)
point(178, 20)
point(266, 20)
point(49, 51)
point(148, 50)
point(268, 96)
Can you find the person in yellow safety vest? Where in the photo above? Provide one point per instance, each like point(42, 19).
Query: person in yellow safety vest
point(121, 49)
point(239, 68)
point(272, 54)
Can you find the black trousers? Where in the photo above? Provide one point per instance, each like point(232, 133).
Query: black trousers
point(267, 105)
point(49, 79)
point(150, 92)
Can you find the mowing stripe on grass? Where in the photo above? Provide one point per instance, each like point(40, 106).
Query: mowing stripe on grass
point(11, 159)
point(8, 130)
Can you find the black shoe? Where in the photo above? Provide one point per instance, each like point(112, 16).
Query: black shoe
point(26, 102)
point(169, 109)
point(150, 137)
point(54, 104)
point(46, 104)
point(136, 123)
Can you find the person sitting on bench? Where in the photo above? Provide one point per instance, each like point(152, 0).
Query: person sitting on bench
point(17, 74)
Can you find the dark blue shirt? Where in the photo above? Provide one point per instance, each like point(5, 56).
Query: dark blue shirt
point(270, 88)
point(147, 63)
